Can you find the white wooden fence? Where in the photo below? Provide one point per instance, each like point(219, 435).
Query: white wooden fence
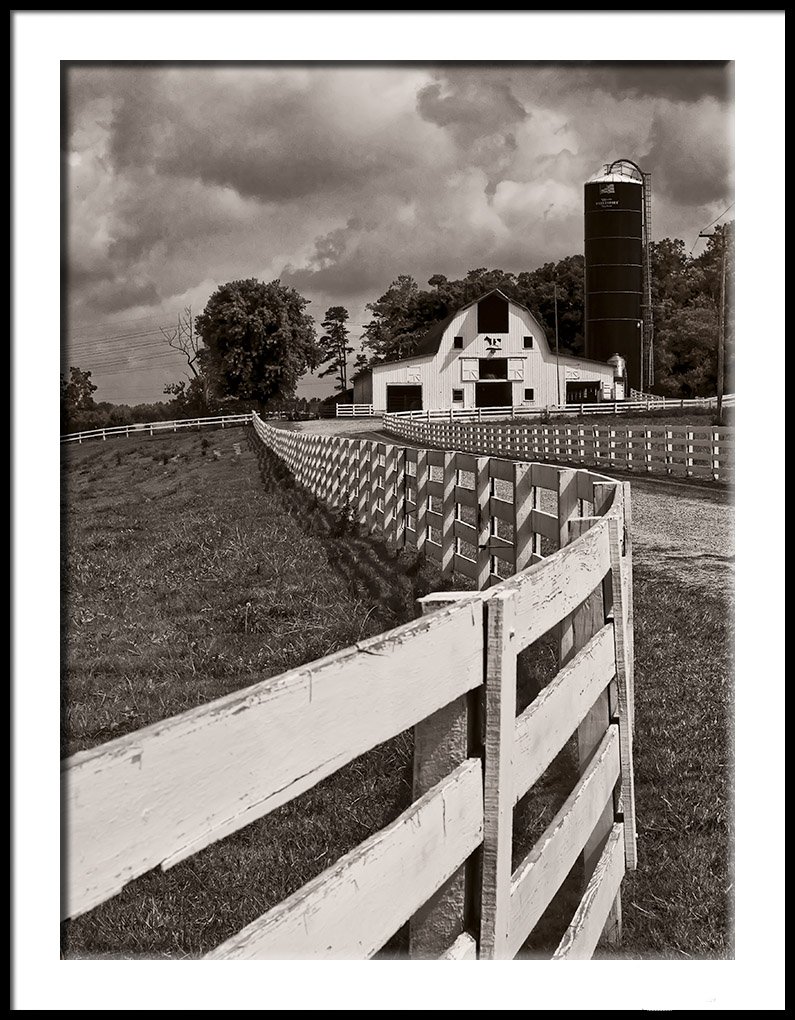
point(617, 407)
point(150, 428)
point(158, 796)
point(355, 411)
point(691, 451)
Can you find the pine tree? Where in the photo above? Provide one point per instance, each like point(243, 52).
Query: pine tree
point(334, 346)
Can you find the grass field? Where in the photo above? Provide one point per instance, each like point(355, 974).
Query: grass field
point(187, 575)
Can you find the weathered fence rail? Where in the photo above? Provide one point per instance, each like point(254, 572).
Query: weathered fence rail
point(159, 795)
point(691, 451)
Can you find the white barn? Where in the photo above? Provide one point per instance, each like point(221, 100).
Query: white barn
point(493, 352)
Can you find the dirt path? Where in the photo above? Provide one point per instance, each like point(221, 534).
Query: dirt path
point(680, 529)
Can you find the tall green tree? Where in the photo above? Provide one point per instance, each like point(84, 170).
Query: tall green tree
point(334, 347)
point(692, 304)
point(259, 339)
point(78, 409)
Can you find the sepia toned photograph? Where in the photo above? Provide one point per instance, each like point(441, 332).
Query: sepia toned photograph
point(398, 490)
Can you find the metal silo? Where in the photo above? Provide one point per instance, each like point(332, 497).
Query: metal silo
point(617, 318)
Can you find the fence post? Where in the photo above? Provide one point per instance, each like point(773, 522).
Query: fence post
point(690, 451)
point(618, 609)
point(441, 743)
point(501, 659)
point(372, 481)
point(576, 631)
point(448, 514)
point(399, 519)
point(482, 495)
point(568, 510)
point(421, 500)
point(715, 455)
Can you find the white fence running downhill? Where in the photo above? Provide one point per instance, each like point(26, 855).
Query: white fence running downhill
point(149, 428)
point(158, 796)
point(690, 451)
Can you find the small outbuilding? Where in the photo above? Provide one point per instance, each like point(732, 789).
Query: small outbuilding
point(493, 352)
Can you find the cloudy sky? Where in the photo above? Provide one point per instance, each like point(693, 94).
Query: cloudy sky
point(338, 178)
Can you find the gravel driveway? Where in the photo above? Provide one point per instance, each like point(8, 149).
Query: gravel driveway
point(679, 529)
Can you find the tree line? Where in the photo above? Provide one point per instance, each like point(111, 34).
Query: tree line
point(253, 341)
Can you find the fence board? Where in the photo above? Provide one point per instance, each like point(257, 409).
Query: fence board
point(587, 925)
point(555, 587)
point(350, 910)
point(540, 875)
point(466, 462)
point(548, 722)
point(501, 509)
point(545, 524)
point(465, 566)
point(465, 497)
point(162, 793)
point(464, 948)
point(544, 476)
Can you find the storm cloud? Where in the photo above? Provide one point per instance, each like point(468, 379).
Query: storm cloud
point(338, 178)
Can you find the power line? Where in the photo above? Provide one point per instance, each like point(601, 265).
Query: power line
point(109, 349)
point(81, 341)
point(709, 225)
point(118, 322)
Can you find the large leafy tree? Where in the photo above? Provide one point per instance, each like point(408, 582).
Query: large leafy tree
point(258, 338)
point(77, 403)
point(692, 302)
point(334, 347)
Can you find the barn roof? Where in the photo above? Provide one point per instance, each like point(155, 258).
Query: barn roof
point(432, 341)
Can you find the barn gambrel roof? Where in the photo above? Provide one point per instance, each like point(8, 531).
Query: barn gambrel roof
point(432, 341)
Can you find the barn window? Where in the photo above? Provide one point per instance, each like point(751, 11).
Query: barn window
point(528, 343)
point(493, 368)
point(458, 395)
point(458, 343)
point(529, 394)
point(493, 314)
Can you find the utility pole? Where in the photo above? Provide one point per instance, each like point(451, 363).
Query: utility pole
point(557, 344)
point(721, 326)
